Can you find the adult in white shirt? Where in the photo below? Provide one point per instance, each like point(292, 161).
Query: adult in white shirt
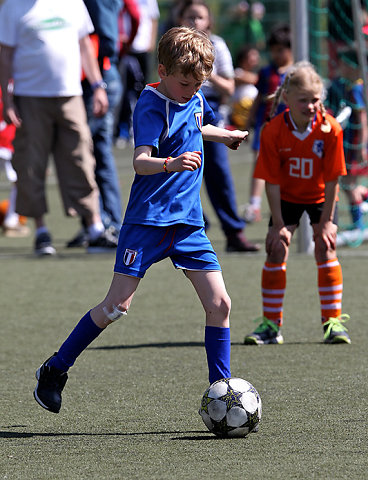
point(44, 43)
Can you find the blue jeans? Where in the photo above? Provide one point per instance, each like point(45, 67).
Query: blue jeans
point(219, 182)
point(102, 129)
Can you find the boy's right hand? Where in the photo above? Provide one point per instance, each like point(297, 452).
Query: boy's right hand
point(186, 161)
point(236, 137)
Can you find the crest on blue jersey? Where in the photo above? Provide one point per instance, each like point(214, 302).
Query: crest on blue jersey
point(129, 256)
point(198, 119)
point(318, 147)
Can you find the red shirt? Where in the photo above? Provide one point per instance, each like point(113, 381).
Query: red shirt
point(301, 163)
point(7, 132)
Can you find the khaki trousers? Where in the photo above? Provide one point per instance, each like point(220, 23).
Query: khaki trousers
point(56, 126)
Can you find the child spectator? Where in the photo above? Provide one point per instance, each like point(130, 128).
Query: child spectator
point(301, 158)
point(136, 65)
point(270, 77)
point(13, 225)
point(347, 92)
point(254, 31)
point(246, 77)
point(164, 217)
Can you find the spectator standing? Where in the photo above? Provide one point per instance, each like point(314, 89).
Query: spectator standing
point(13, 225)
point(105, 39)
point(254, 31)
point(43, 45)
point(217, 170)
point(129, 68)
point(270, 78)
point(242, 25)
point(144, 43)
point(341, 34)
point(137, 64)
point(246, 77)
point(346, 93)
point(128, 23)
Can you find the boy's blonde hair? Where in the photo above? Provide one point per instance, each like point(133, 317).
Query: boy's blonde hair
point(187, 51)
point(300, 75)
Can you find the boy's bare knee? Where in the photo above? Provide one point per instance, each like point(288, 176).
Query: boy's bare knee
point(222, 306)
point(227, 304)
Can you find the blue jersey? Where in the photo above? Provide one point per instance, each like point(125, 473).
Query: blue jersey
point(171, 128)
point(269, 79)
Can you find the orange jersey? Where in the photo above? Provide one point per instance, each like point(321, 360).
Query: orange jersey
point(301, 163)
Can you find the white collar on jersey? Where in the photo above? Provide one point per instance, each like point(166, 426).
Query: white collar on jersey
point(300, 135)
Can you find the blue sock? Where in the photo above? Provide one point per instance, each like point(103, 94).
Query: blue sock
point(357, 216)
point(79, 339)
point(217, 345)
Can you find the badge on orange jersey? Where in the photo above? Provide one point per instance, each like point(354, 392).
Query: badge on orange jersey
point(318, 148)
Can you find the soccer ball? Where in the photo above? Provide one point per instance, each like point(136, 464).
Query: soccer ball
point(231, 407)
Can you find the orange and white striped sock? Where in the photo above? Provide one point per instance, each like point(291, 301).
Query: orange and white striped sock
point(330, 286)
point(273, 291)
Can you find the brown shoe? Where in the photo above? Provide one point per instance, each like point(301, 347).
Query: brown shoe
point(237, 242)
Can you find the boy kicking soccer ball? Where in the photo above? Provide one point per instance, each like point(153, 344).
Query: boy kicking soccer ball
point(164, 216)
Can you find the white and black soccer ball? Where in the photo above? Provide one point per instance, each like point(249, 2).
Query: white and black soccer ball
point(231, 407)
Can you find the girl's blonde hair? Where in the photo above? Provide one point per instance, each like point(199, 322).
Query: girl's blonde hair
point(188, 51)
point(300, 75)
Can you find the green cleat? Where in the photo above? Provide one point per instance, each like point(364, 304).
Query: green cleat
point(335, 332)
point(266, 333)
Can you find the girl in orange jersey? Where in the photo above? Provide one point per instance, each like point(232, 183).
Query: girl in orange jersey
point(301, 158)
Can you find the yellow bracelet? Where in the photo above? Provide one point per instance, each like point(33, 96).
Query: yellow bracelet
point(165, 164)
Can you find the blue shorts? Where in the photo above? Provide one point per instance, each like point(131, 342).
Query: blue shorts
point(142, 245)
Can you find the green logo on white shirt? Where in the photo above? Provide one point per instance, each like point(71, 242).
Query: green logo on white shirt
point(55, 23)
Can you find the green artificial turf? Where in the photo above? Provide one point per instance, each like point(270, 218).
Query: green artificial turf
point(130, 405)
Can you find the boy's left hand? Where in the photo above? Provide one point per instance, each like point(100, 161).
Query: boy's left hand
point(236, 137)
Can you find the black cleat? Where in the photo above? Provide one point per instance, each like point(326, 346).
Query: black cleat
point(51, 382)
point(80, 240)
point(106, 242)
point(43, 245)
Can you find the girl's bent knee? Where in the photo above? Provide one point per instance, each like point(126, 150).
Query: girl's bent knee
point(321, 252)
